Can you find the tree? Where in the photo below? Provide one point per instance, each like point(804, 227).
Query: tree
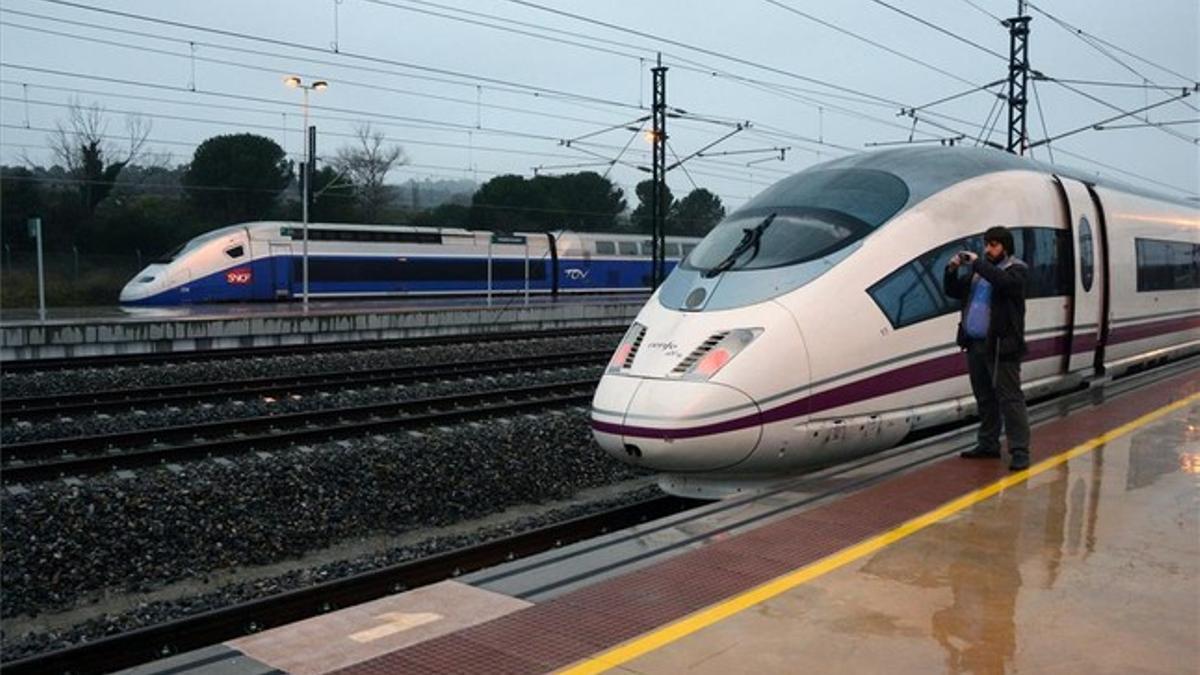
point(588, 201)
point(333, 198)
point(581, 201)
point(237, 177)
point(83, 147)
point(509, 203)
point(21, 200)
point(446, 215)
point(367, 166)
point(642, 217)
point(696, 214)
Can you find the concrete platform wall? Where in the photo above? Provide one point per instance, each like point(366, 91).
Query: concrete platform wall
point(134, 335)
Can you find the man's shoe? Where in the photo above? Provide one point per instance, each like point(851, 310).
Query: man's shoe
point(979, 453)
point(1020, 460)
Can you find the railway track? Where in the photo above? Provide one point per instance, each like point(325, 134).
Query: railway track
point(34, 407)
point(28, 365)
point(44, 460)
point(155, 642)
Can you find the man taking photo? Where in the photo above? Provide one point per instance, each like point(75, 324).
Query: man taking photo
point(992, 333)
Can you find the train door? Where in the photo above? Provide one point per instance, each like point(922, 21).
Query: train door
point(1083, 343)
point(281, 270)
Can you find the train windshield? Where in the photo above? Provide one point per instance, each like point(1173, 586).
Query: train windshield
point(195, 242)
point(809, 216)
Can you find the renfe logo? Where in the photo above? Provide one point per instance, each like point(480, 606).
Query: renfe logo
point(238, 277)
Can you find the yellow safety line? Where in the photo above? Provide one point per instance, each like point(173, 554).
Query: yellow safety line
point(711, 615)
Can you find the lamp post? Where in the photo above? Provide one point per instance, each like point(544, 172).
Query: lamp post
point(295, 82)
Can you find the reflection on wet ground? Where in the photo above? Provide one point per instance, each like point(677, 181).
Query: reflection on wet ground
point(1092, 566)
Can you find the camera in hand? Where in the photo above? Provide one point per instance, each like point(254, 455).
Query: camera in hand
point(964, 257)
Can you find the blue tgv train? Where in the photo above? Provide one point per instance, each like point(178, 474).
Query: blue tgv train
point(262, 261)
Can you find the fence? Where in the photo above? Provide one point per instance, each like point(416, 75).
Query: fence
point(74, 278)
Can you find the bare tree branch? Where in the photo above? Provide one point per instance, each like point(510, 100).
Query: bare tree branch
point(367, 166)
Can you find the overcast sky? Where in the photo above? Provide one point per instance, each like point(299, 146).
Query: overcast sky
point(482, 88)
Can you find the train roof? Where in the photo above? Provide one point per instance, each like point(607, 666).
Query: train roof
point(928, 170)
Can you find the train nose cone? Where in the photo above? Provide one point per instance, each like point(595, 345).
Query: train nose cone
point(679, 426)
point(128, 293)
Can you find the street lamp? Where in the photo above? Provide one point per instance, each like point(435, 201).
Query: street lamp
point(295, 82)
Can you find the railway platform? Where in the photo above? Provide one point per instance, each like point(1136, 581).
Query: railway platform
point(70, 333)
point(916, 562)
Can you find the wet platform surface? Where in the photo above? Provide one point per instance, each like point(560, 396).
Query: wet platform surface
point(1091, 566)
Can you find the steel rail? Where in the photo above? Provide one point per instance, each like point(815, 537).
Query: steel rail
point(31, 407)
point(44, 460)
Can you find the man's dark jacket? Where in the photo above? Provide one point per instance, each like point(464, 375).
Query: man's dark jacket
point(1006, 329)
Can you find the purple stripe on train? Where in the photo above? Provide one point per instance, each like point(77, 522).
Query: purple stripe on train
point(892, 381)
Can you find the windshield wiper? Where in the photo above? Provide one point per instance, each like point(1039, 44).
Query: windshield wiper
point(751, 238)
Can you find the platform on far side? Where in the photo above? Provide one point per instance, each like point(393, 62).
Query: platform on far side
point(108, 331)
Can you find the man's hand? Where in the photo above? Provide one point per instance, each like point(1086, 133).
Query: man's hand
point(962, 258)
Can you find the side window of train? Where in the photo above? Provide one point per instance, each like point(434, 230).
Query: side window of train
point(1086, 257)
point(1047, 252)
point(627, 247)
point(673, 250)
point(235, 252)
point(1167, 265)
point(606, 248)
point(913, 293)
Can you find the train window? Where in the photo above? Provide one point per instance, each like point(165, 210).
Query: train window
point(627, 247)
point(323, 234)
point(1047, 252)
point(673, 250)
point(905, 297)
point(235, 252)
point(1086, 256)
point(805, 217)
point(646, 247)
point(1167, 265)
point(606, 248)
point(688, 248)
point(914, 292)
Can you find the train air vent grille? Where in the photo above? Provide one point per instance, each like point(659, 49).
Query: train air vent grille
point(699, 352)
point(633, 349)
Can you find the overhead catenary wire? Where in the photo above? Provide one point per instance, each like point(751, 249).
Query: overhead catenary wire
point(866, 40)
point(1080, 32)
point(191, 42)
point(1125, 113)
point(941, 30)
point(344, 54)
point(1045, 130)
point(269, 40)
point(341, 81)
point(1092, 40)
point(762, 128)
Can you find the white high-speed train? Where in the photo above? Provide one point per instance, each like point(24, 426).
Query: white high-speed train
point(810, 325)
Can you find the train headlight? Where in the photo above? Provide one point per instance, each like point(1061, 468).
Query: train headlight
point(627, 350)
point(711, 356)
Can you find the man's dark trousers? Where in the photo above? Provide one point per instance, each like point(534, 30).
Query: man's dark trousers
point(999, 397)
